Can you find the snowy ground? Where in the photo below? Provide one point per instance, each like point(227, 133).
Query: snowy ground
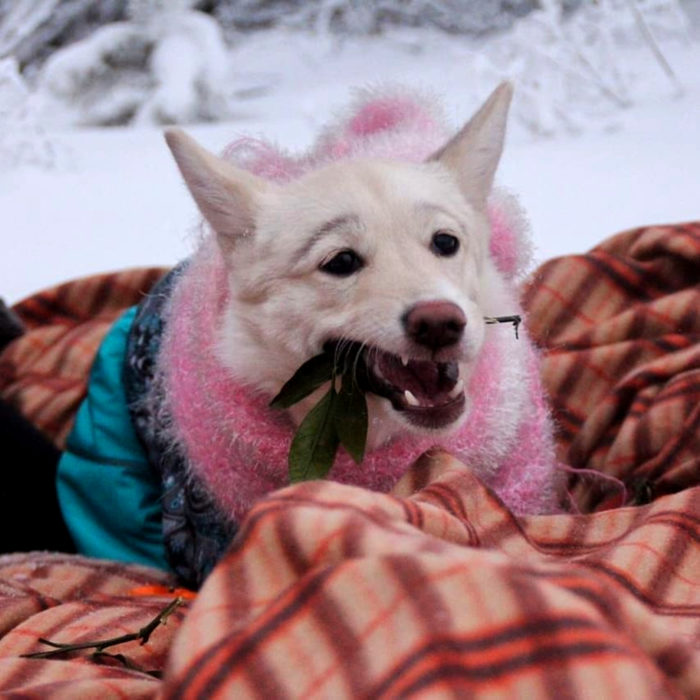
point(115, 199)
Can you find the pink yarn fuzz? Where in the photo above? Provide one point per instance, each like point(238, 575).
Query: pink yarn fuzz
point(239, 446)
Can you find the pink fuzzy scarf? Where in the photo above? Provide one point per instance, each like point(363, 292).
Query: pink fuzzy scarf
point(239, 446)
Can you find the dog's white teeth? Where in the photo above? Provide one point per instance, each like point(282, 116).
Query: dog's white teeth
point(459, 388)
point(404, 360)
point(411, 400)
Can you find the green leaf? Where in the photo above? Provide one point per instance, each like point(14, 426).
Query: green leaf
point(315, 442)
point(309, 377)
point(350, 418)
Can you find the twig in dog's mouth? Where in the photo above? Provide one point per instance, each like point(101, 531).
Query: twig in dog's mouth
point(339, 418)
point(341, 415)
point(515, 320)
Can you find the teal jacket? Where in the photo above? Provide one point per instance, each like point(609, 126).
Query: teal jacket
point(110, 495)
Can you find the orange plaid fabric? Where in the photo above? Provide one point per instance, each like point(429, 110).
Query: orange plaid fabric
point(621, 330)
point(434, 590)
point(72, 599)
point(44, 372)
point(332, 591)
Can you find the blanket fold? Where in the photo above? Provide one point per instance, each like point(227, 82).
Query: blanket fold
point(335, 591)
point(436, 588)
point(621, 330)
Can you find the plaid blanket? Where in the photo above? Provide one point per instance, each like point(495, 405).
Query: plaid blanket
point(435, 589)
point(621, 329)
point(45, 372)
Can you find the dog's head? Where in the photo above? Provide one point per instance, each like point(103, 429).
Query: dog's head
point(391, 256)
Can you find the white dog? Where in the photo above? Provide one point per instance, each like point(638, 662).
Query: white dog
point(349, 246)
point(392, 255)
point(383, 244)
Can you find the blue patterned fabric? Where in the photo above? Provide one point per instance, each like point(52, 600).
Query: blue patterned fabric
point(195, 532)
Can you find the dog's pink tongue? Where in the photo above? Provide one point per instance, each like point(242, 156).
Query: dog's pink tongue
point(424, 379)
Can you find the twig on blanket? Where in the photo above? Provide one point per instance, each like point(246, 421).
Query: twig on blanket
point(144, 634)
point(126, 662)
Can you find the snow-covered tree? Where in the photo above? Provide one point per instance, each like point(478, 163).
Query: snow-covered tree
point(22, 141)
point(31, 30)
point(691, 8)
point(473, 17)
point(571, 70)
point(166, 63)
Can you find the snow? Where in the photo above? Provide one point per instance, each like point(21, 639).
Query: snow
point(114, 198)
point(160, 66)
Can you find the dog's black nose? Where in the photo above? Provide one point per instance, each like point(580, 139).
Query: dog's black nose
point(434, 324)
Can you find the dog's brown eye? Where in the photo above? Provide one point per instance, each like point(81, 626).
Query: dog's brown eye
point(343, 264)
point(444, 244)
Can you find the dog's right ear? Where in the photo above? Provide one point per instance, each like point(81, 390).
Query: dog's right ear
point(227, 196)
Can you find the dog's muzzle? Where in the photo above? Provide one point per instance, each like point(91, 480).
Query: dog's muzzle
point(427, 393)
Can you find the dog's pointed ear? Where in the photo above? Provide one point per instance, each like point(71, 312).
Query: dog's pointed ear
point(472, 155)
point(226, 195)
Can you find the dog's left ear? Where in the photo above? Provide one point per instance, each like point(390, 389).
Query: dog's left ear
point(227, 196)
point(472, 155)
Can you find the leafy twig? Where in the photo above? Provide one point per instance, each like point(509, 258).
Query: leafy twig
point(340, 417)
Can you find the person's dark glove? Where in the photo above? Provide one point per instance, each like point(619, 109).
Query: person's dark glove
point(10, 325)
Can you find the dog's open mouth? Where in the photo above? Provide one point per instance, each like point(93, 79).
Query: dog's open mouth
point(428, 394)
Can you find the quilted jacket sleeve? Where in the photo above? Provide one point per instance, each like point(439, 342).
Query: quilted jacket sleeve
point(109, 495)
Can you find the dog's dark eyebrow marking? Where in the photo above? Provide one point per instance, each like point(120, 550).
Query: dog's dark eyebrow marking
point(324, 230)
point(429, 207)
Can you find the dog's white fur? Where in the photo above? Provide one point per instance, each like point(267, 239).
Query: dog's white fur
point(282, 308)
